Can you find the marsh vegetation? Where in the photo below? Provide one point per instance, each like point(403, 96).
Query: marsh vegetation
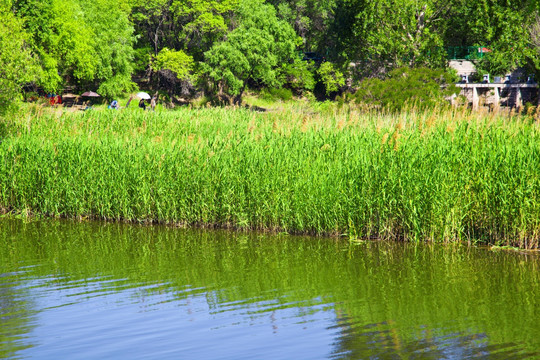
point(435, 175)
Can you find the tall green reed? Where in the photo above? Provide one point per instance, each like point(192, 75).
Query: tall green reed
point(422, 176)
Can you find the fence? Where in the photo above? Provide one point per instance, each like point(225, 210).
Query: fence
point(466, 52)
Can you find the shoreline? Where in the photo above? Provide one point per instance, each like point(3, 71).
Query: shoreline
point(273, 232)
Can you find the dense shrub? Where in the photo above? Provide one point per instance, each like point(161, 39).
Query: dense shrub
point(422, 87)
point(274, 93)
point(433, 175)
point(330, 77)
point(298, 76)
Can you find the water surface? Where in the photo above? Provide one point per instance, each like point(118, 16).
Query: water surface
point(94, 290)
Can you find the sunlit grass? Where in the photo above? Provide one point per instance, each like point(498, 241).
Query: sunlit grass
point(423, 176)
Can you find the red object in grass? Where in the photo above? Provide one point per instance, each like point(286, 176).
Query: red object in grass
point(54, 100)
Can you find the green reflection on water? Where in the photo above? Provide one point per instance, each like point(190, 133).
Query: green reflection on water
point(389, 299)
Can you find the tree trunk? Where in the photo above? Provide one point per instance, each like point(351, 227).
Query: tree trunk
point(238, 98)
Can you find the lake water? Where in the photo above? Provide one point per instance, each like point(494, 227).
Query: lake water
point(73, 290)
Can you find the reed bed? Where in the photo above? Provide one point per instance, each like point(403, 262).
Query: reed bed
point(445, 175)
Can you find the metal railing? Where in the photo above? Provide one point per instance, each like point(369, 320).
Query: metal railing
point(466, 52)
point(452, 53)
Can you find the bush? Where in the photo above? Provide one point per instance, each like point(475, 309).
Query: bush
point(299, 76)
point(331, 78)
point(178, 62)
point(116, 86)
point(422, 87)
point(142, 58)
point(277, 94)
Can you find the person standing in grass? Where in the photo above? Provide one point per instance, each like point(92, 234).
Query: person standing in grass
point(153, 104)
point(142, 105)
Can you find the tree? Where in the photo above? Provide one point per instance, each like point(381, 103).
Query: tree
point(310, 19)
point(203, 22)
point(81, 43)
point(113, 46)
point(388, 34)
point(191, 25)
point(17, 63)
point(502, 28)
point(298, 75)
point(255, 50)
point(331, 78)
point(63, 40)
point(174, 68)
point(534, 31)
point(153, 23)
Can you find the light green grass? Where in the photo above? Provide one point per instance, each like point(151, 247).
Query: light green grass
point(415, 176)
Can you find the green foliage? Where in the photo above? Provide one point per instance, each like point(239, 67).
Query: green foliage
point(115, 86)
point(49, 77)
point(17, 65)
point(190, 25)
point(141, 58)
point(232, 43)
point(149, 17)
point(436, 175)
point(383, 35)
point(176, 61)
point(310, 18)
point(298, 75)
point(331, 77)
point(63, 39)
point(204, 22)
point(503, 27)
point(227, 65)
point(85, 43)
point(421, 87)
point(113, 46)
point(253, 51)
point(273, 93)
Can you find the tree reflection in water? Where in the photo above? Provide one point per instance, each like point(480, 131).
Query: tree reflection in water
point(17, 314)
point(382, 341)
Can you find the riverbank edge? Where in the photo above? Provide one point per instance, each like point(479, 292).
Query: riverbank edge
point(30, 216)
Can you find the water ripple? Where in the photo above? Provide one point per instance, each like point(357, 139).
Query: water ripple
point(384, 340)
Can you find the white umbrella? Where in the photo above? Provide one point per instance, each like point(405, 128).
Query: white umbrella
point(91, 94)
point(143, 95)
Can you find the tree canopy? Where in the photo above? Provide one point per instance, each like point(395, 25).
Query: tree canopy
point(225, 46)
point(17, 63)
point(255, 50)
